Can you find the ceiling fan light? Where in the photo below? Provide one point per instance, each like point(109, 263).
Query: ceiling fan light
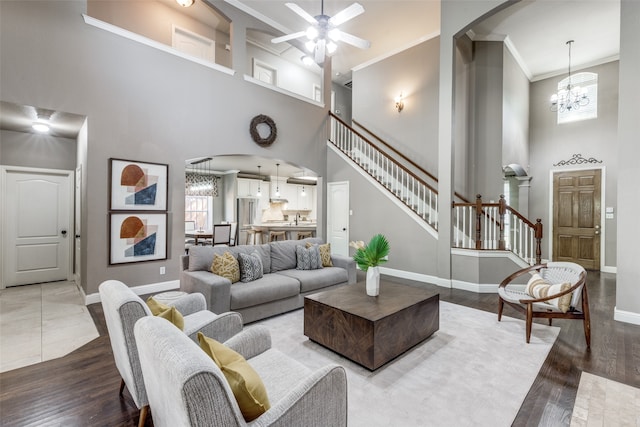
point(185, 3)
point(312, 33)
point(307, 60)
point(335, 34)
point(331, 47)
point(310, 45)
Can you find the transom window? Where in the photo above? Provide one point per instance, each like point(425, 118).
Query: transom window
point(584, 88)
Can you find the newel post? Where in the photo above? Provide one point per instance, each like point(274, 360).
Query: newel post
point(478, 221)
point(538, 234)
point(502, 210)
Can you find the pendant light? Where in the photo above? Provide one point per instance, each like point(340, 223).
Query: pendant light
point(277, 180)
point(259, 193)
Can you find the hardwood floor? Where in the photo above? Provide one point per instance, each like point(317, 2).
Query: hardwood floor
point(81, 389)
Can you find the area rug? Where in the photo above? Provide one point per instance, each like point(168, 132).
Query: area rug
point(475, 371)
point(604, 402)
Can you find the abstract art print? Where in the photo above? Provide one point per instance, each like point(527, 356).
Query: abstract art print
point(138, 185)
point(137, 236)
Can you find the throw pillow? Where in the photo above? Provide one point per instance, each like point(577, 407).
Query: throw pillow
point(325, 253)
point(308, 258)
point(245, 383)
point(250, 267)
point(538, 287)
point(226, 266)
point(166, 312)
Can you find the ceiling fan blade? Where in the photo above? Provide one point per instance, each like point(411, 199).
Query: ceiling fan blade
point(303, 13)
point(346, 14)
point(319, 53)
point(288, 37)
point(354, 41)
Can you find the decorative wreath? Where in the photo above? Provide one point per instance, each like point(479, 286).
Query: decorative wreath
point(255, 135)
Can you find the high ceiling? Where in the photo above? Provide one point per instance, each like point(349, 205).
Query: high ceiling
point(537, 31)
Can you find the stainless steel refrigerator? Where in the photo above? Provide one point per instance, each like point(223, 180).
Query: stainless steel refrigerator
point(246, 214)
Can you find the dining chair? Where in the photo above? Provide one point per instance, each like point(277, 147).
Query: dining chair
point(221, 234)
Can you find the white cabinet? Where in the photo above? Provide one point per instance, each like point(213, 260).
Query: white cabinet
point(249, 187)
point(306, 197)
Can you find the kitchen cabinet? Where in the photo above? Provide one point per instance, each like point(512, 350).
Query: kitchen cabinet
point(249, 187)
point(307, 198)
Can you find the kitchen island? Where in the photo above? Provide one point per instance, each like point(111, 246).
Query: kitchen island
point(291, 228)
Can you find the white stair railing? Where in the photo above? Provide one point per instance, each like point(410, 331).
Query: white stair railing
point(414, 192)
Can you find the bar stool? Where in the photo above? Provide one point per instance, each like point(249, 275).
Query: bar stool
point(277, 235)
point(304, 234)
point(252, 236)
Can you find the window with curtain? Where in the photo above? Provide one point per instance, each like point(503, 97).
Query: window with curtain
point(200, 189)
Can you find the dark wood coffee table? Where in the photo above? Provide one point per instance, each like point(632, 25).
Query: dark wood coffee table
point(371, 331)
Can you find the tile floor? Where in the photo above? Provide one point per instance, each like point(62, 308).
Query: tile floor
point(602, 402)
point(42, 322)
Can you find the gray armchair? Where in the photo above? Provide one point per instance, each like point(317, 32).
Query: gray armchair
point(186, 388)
point(122, 308)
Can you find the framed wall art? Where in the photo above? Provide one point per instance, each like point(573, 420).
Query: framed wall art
point(137, 237)
point(137, 185)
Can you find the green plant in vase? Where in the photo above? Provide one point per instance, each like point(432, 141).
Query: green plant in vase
point(369, 257)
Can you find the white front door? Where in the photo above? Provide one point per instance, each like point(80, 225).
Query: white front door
point(37, 225)
point(338, 217)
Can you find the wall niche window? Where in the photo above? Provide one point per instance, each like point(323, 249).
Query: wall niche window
point(281, 65)
point(588, 82)
point(200, 30)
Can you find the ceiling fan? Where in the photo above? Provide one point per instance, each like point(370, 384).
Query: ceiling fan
point(323, 32)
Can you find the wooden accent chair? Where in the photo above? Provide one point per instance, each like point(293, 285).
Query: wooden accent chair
point(123, 308)
point(553, 272)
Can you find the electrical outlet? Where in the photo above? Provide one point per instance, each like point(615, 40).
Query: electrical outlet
point(162, 270)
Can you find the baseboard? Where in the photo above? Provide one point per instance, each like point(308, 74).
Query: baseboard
point(140, 290)
point(609, 269)
point(418, 277)
point(480, 288)
point(626, 316)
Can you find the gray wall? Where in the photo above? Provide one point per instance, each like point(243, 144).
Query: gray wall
point(487, 133)
point(343, 102)
point(142, 104)
point(551, 143)
point(412, 248)
point(515, 113)
point(37, 150)
point(414, 72)
point(628, 291)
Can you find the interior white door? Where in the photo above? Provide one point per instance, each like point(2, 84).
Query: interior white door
point(37, 224)
point(77, 226)
point(338, 217)
point(194, 44)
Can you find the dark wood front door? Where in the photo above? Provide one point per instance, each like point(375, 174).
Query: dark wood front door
point(576, 217)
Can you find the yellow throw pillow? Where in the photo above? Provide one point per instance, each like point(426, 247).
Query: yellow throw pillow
point(247, 387)
point(226, 266)
point(538, 287)
point(166, 312)
point(325, 253)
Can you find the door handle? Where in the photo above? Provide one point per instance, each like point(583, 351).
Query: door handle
point(344, 229)
point(77, 236)
point(596, 233)
point(64, 233)
point(597, 227)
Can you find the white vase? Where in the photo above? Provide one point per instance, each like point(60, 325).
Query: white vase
point(373, 281)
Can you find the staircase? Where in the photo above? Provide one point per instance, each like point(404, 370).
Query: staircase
point(413, 191)
point(478, 225)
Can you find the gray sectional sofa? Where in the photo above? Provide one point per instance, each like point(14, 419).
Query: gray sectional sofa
point(282, 288)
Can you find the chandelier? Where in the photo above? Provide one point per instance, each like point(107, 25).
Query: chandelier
point(571, 97)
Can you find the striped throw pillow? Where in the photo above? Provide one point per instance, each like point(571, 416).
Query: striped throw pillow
point(538, 287)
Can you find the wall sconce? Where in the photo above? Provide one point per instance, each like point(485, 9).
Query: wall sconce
point(399, 102)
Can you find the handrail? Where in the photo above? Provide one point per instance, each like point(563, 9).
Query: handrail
point(416, 194)
point(384, 152)
point(405, 158)
point(490, 224)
